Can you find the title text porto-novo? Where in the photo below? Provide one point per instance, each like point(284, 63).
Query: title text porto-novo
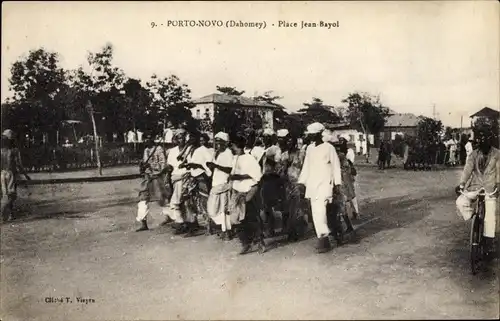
point(213, 23)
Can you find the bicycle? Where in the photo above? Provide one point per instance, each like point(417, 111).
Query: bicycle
point(476, 232)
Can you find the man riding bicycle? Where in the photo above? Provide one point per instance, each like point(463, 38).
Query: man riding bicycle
point(482, 171)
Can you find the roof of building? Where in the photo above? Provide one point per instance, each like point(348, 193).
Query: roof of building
point(487, 112)
point(233, 100)
point(402, 120)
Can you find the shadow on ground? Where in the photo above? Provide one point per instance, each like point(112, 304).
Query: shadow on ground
point(393, 213)
point(28, 212)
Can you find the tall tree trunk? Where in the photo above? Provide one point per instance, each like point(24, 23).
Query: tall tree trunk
point(96, 141)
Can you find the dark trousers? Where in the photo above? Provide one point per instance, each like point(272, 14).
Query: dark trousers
point(251, 228)
point(272, 192)
point(333, 212)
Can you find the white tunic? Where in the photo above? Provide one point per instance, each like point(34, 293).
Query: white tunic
point(257, 152)
point(246, 165)
point(201, 156)
point(174, 162)
point(321, 171)
point(350, 155)
point(224, 159)
point(468, 148)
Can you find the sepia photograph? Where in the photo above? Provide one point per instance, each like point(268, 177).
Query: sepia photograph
point(250, 160)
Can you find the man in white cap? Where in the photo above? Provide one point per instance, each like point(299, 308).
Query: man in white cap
point(218, 199)
point(11, 166)
point(320, 174)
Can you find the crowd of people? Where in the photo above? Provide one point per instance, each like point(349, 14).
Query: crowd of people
point(423, 155)
point(238, 186)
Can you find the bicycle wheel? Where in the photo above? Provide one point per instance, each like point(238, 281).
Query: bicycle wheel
point(475, 244)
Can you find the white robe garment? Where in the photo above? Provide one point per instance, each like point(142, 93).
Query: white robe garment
point(217, 204)
point(320, 172)
point(201, 156)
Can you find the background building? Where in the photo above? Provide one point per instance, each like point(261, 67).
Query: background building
point(400, 124)
point(206, 107)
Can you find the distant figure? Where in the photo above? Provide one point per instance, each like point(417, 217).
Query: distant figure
point(11, 166)
point(406, 155)
point(132, 137)
point(381, 156)
point(388, 153)
point(452, 146)
point(169, 134)
point(469, 147)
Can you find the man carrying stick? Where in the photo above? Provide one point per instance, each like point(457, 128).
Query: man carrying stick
point(153, 185)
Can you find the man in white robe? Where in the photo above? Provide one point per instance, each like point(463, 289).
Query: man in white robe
point(218, 199)
point(320, 174)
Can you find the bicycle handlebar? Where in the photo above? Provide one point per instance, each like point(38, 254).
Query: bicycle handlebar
point(482, 192)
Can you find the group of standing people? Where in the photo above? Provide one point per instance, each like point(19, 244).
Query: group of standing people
point(239, 186)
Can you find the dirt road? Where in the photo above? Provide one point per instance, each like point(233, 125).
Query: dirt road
point(76, 242)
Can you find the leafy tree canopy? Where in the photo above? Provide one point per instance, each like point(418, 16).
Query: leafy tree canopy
point(365, 112)
point(232, 91)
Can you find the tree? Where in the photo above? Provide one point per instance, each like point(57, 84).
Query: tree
point(99, 93)
point(269, 98)
point(35, 81)
point(231, 91)
point(171, 101)
point(318, 111)
point(365, 113)
point(279, 114)
point(487, 125)
point(102, 86)
point(235, 120)
point(137, 101)
point(428, 130)
point(295, 124)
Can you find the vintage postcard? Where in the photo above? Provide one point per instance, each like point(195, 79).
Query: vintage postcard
point(250, 160)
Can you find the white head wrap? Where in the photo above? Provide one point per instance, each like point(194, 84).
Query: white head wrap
point(315, 128)
point(222, 136)
point(282, 132)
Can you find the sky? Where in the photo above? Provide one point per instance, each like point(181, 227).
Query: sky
point(415, 55)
